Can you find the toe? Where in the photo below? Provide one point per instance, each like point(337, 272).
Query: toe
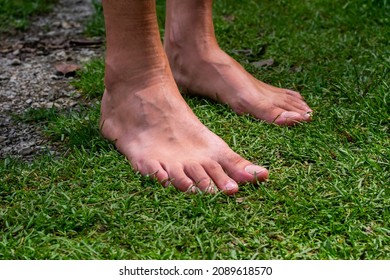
point(293, 107)
point(155, 170)
point(297, 99)
point(295, 104)
point(220, 178)
point(199, 176)
point(289, 118)
point(178, 178)
point(291, 111)
point(294, 93)
point(242, 171)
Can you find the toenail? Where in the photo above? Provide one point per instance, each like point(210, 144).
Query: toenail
point(231, 185)
point(308, 115)
point(254, 169)
point(165, 183)
point(288, 115)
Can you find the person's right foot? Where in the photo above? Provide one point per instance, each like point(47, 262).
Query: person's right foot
point(151, 124)
point(143, 113)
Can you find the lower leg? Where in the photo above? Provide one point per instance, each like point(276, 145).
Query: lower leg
point(143, 112)
point(200, 66)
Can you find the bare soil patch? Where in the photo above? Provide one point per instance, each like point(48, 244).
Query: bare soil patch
point(29, 76)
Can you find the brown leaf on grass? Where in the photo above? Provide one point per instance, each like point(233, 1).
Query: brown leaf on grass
point(252, 54)
point(348, 136)
point(228, 18)
point(263, 63)
point(368, 230)
point(66, 69)
point(246, 52)
point(296, 68)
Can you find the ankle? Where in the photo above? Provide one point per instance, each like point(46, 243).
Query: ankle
point(189, 27)
point(188, 44)
point(133, 73)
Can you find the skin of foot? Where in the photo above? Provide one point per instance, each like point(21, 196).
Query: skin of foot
point(143, 113)
point(200, 67)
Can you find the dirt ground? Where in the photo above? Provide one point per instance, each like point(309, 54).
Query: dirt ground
point(29, 77)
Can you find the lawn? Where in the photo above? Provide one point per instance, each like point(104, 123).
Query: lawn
point(328, 193)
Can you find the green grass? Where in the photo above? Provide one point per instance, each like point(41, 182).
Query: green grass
point(15, 14)
point(95, 25)
point(90, 79)
point(328, 194)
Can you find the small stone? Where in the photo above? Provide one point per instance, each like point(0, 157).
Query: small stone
point(13, 79)
point(4, 77)
point(50, 105)
point(26, 151)
point(61, 55)
point(2, 139)
point(29, 101)
point(31, 40)
point(65, 25)
point(56, 77)
point(15, 62)
point(72, 103)
point(9, 93)
point(56, 24)
point(51, 34)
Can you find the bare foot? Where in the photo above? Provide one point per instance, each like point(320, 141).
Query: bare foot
point(154, 128)
point(221, 78)
point(201, 67)
point(143, 113)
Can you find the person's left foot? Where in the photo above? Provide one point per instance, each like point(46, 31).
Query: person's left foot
point(214, 74)
point(201, 67)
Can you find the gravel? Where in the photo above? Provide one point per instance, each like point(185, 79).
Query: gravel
point(28, 78)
